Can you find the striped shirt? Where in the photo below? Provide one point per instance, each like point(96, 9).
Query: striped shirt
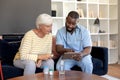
point(32, 45)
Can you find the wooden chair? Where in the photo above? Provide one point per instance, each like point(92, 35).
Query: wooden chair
point(1, 73)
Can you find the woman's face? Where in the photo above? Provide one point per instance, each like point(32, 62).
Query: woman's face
point(46, 29)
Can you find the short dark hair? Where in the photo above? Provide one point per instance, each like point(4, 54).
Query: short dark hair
point(73, 14)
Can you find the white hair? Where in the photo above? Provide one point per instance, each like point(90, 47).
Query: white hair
point(43, 19)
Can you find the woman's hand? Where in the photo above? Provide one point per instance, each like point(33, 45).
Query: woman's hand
point(38, 63)
point(44, 56)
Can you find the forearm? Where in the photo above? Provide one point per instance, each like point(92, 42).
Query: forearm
point(25, 54)
point(61, 50)
point(86, 51)
point(40, 57)
point(25, 48)
point(28, 57)
point(45, 56)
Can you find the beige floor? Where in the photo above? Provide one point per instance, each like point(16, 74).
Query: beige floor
point(114, 70)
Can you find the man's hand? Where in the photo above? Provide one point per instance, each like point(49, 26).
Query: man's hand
point(68, 55)
point(77, 56)
point(73, 55)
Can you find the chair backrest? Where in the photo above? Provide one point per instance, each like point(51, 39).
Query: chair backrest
point(8, 51)
point(99, 52)
point(102, 54)
point(12, 37)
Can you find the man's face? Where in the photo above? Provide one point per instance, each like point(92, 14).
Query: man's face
point(70, 24)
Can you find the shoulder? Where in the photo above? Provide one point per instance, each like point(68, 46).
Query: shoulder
point(29, 34)
point(62, 30)
point(82, 28)
point(49, 35)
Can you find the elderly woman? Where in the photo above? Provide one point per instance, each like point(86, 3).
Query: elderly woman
point(36, 47)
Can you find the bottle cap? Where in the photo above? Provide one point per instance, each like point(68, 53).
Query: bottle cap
point(51, 71)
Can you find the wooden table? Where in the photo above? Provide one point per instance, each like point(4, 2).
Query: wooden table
point(69, 75)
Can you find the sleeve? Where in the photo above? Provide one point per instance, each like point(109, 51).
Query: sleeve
point(59, 38)
point(25, 47)
point(56, 55)
point(86, 38)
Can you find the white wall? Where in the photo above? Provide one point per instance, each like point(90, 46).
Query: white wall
point(119, 29)
point(18, 16)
